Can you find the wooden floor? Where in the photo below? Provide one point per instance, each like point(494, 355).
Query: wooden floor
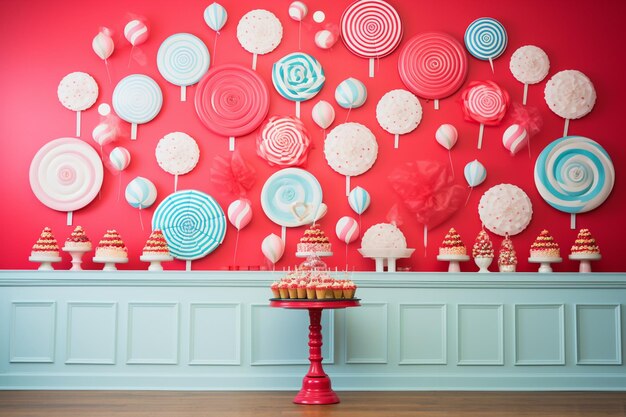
point(276, 404)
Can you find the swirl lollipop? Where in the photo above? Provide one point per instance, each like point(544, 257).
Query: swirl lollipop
point(177, 153)
point(77, 91)
point(486, 39)
point(215, 16)
point(259, 32)
point(574, 174)
point(486, 103)
point(529, 65)
point(398, 112)
point(433, 66)
point(183, 59)
point(571, 95)
point(283, 141)
point(298, 77)
point(231, 101)
point(137, 99)
point(371, 29)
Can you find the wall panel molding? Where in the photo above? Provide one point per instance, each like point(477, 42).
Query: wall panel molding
point(480, 334)
point(598, 334)
point(33, 331)
point(367, 333)
point(545, 322)
point(423, 334)
point(92, 329)
point(215, 334)
point(153, 333)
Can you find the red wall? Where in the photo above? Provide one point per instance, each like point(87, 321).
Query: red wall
point(42, 41)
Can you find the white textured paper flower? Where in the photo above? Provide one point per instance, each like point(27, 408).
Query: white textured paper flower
point(351, 149)
point(529, 64)
point(383, 236)
point(177, 153)
point(505, 209)
point(399, 112)
point(570, 94)
point(259, 31)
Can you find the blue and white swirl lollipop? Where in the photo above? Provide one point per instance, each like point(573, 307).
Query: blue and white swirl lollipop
point(298, 77)
point(182, 60)
point(137, 99)
point(574, 174)
point(486, 39)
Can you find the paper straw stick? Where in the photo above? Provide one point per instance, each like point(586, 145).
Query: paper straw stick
point(254, 62)
point(78, 124)
point(425, 239)
point(188, 265)
point(140, 218)
point(231, 143)
point(175, 182)
point(371, 68)
point(298, 109)
point(183, 93)
point(566, 127)
point(70, 216)
point(572, 221)
point(133, 131)
point(215, 47)
point(347, 185)
point(436, 104)
point(481, 131)
point(283, 234)
point(396, 141)
point(491, 63)
point(525, 94)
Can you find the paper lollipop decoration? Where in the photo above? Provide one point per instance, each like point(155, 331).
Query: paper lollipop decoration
point(298, 11)
point(77, 91)
point(486, 103)
point(427, 190)
point(103, 46)
point(574, 174)
point(283, 141)
point(359, 200)
point(136, 33)
point(232, 101)
point(232, 174)
point(323, 114)
point(215, 16)
point(486, 39)
point(259, 32)
point(398, 112)
point(239, 215)
point(137, 99)
point(571, 95)
point(326, 38)
point(119, 158)
point(351, 93)
point(371, 29)
point(192, 222)
point(66, 174)
point(177, 153)
point(350, 149)
point(529, 65)
point(183, 59)
point(433, 66)
point(104, 133)
point(447, 136)
point(347, 230)
point(505, 209)
point(141, 193)
point(298, 77)
point(475, 174)
point(273, 248)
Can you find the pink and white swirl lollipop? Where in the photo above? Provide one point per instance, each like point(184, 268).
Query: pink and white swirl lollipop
point(283, 141)
point(486, 103)
point(371, 29)
point(529, 65)
point(77, 91)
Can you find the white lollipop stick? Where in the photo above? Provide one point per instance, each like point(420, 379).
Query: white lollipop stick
point(231, 143)
point(183, 93)
point(371, 68)
point(78, 124)
point(254, 62)
point(491, 63)
point(283, 233)
point(133, 131)
point(347, 185)
point(566, 127)
point(572, 221)
point(450, 158)
point(396, 141)
point(480, 135)
point(70, 216)
point(425, 239)
point(436, 104)
point(175, 182)
point(298, 109)
point(188, 265)
point(525, 94)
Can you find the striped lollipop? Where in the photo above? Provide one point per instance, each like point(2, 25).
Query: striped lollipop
point(371, 29)
point(298, 77)
point(486, 39)
point(486, 103)
point(351, 93)
point(137, 99)
point(182, 60)
point(574, 174)
point(283, 141)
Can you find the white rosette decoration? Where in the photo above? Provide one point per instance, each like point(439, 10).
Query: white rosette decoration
point(177, 153)
point(571, 95)
point(399, 112)
point(529, 65)
point(259, 32)
point(283, 141)
point(505, 209)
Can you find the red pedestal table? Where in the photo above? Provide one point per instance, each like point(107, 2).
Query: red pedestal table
point(316, 386)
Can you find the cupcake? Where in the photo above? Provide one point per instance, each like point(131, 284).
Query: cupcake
point(544, 246)
point(46, 245)
point(293, 289)
point(275, 291)
point(310, 290)
point(283, 289)
point(320, 291)
point(349, 289)
point(337, 288)
point(302, 289)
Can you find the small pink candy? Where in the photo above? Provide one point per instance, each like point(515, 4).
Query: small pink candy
point(325, 39)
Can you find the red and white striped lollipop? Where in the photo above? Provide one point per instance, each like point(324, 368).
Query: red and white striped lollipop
point(486, 103)
point(283, 141)
point(371, 29)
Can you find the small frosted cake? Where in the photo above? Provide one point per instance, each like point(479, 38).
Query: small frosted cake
point(111, 246)
point(585, 244)
point(483, 248)
point(383, 236)
point(452, 244)
point(544, 246)
point(507, 259)
point(156, 245)
point(78, 240)
point(314, 240)
point(46, 245)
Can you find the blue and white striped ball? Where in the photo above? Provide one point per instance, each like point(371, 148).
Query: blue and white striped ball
point(351, 93)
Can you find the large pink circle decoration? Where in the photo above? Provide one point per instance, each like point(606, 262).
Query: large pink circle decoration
point(66, 174)
point(371, 29)
point(283, 141)
point(505, 209)
point(433, 65)
point(486, 103)
point(232, 101)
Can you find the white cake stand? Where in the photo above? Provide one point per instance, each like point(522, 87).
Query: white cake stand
point(585, 260)
point(155, 260)
point(454, 260)
point(387, 257)
point(545, 262)
point(45, 261)
point(77, 257)
point(109, 263)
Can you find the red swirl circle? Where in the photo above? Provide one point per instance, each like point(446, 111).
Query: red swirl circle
point(433, 65)
point(232, 100)
point(371, 28)
point(485, 102)
point(283, 141)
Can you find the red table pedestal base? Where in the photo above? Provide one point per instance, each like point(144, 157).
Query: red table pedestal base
point(316, 390)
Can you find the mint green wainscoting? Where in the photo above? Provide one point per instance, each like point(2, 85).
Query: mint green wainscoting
point(216, 331)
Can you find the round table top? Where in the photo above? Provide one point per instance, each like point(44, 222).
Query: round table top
point(303, 303)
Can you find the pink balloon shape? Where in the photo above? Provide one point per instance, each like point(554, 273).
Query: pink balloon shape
point(136, 32)
point(347, 229)
point(273, 248)
point(240, 213)
point(446, 135)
